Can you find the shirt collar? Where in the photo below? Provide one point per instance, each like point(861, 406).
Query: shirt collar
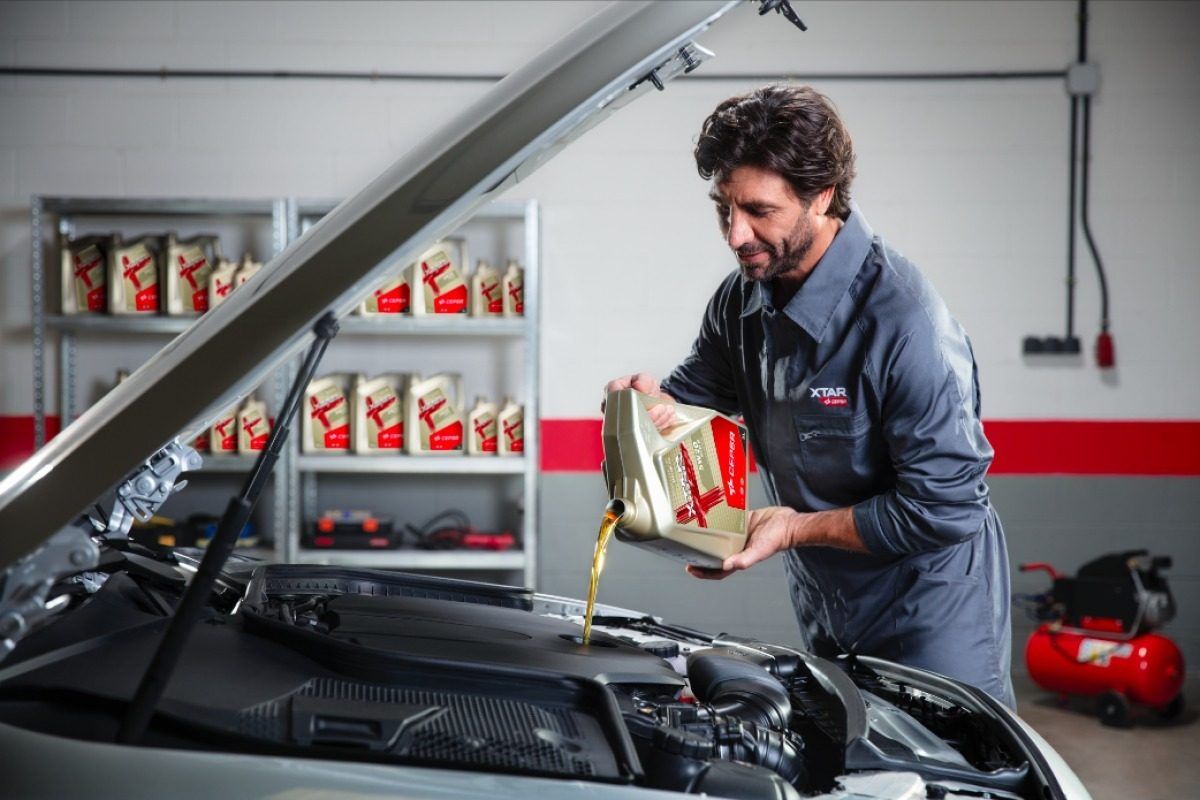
point(813, 305)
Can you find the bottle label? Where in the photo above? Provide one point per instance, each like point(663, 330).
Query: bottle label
point(483, 433)
point(705, 477)
point(383, 415)
point(391, 298)
point(514, 294)
point(331, 430)
point(193, 269)
point(445, 291)
point(514, 434)
point(89, 278)
point(224, 435)
point(140, 278)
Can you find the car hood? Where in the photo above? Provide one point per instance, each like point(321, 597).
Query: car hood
point(620, 53)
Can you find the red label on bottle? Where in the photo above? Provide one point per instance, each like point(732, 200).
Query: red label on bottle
point(147, 299)
point(452, 302)
point(390, 438)
point(96, 299)
point(488, 445)
point(200, 300)
point(338, 438)
point(394, 301)
point(448, 438)
point(730, 444)
point(200, 444)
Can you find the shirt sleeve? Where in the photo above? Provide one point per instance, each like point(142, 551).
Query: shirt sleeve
point(930, 417)
point(706, 377)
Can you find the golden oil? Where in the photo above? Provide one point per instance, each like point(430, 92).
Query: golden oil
point(607, 525)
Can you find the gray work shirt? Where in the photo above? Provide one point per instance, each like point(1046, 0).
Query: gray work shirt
point(862, 391)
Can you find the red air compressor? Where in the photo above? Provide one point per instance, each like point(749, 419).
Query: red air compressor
point(1096, 638)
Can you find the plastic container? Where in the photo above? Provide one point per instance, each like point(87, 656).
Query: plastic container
point(220, 282)
point(326, 416)
point(511, 424)
point(487, 299)
point(253, 427)
point(223, 435)
point(514, 290)
point(433, 415)
point(187, 265)
point(84, 276)
point(436, 280)
point(378, 424)
point(247, 269)
point(482, 428)
point(680, 492)
point(133, 276)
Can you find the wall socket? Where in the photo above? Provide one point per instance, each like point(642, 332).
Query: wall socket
point(1051, 345)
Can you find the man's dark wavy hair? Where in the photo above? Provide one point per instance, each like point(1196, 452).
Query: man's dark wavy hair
point(792, 130)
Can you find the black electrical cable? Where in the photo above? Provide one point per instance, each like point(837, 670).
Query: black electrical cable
point(1071, 218)
point(1083, 213)
point(191, 605)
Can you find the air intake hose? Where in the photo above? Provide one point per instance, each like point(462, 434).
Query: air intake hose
point(738, 688)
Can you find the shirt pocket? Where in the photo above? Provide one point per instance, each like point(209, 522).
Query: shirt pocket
point(836, 457)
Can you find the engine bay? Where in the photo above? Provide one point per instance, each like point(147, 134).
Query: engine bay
point(384, 667)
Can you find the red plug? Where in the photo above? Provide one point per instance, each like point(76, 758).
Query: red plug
point(1106, 358)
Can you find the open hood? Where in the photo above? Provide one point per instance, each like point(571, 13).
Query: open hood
point(624, 51)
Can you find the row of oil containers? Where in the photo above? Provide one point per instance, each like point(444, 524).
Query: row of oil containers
point(406, 413)
point(351, 413)
point(185, 277)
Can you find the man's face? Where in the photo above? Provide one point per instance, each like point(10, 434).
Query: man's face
point(768, 228)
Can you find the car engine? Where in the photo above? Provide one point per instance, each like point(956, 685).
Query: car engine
point(375, 666)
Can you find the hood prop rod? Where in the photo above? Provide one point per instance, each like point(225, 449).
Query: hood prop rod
point(195, 597)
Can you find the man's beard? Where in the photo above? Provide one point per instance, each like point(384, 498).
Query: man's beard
point(784, 257)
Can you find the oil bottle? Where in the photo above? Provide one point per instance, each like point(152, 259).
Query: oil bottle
point(326, 416)
point(394, 296)
point(680, 492)
point(253, 426)
point(223, 435)
point(133, 276)
point(220, 281)
point(436, 279)
point(487, 299)
point(481, 429)
point(511, 423)
point(187, 264)
point(246, 270)
point(84, 284)
point(378, 424)
point(433, 414)
point(514, 290)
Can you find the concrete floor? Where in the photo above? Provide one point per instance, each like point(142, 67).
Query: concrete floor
point(1152, 759)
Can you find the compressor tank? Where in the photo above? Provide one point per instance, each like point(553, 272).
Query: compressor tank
point(1147, 669)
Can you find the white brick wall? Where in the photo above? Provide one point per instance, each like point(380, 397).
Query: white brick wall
point(967, 179)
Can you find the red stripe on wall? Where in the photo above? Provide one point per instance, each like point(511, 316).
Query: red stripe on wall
point(16, 438)
point(1023, 447)
point(1095, 447)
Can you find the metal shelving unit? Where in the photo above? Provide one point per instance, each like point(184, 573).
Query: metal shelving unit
point(67, 211)
point(296, 475)
point(308, 468)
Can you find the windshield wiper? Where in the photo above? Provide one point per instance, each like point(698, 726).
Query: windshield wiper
point(195, 597)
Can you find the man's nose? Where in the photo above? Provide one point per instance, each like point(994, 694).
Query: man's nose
point(739, 233)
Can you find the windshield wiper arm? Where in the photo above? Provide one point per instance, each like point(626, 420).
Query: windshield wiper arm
point(191, 605)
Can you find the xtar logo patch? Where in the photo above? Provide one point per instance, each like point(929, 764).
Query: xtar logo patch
point(830, 396)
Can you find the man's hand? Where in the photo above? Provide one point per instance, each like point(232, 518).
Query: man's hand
point(777, 528)
point(662, 415)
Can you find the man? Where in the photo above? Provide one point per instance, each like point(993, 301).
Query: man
point(862, 400)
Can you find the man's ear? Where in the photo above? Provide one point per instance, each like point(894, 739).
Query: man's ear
point(823, 200)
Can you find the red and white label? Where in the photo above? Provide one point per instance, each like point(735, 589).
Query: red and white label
point(393, 300)
point(731, 457)
point(448, 438)
point(226, 435)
